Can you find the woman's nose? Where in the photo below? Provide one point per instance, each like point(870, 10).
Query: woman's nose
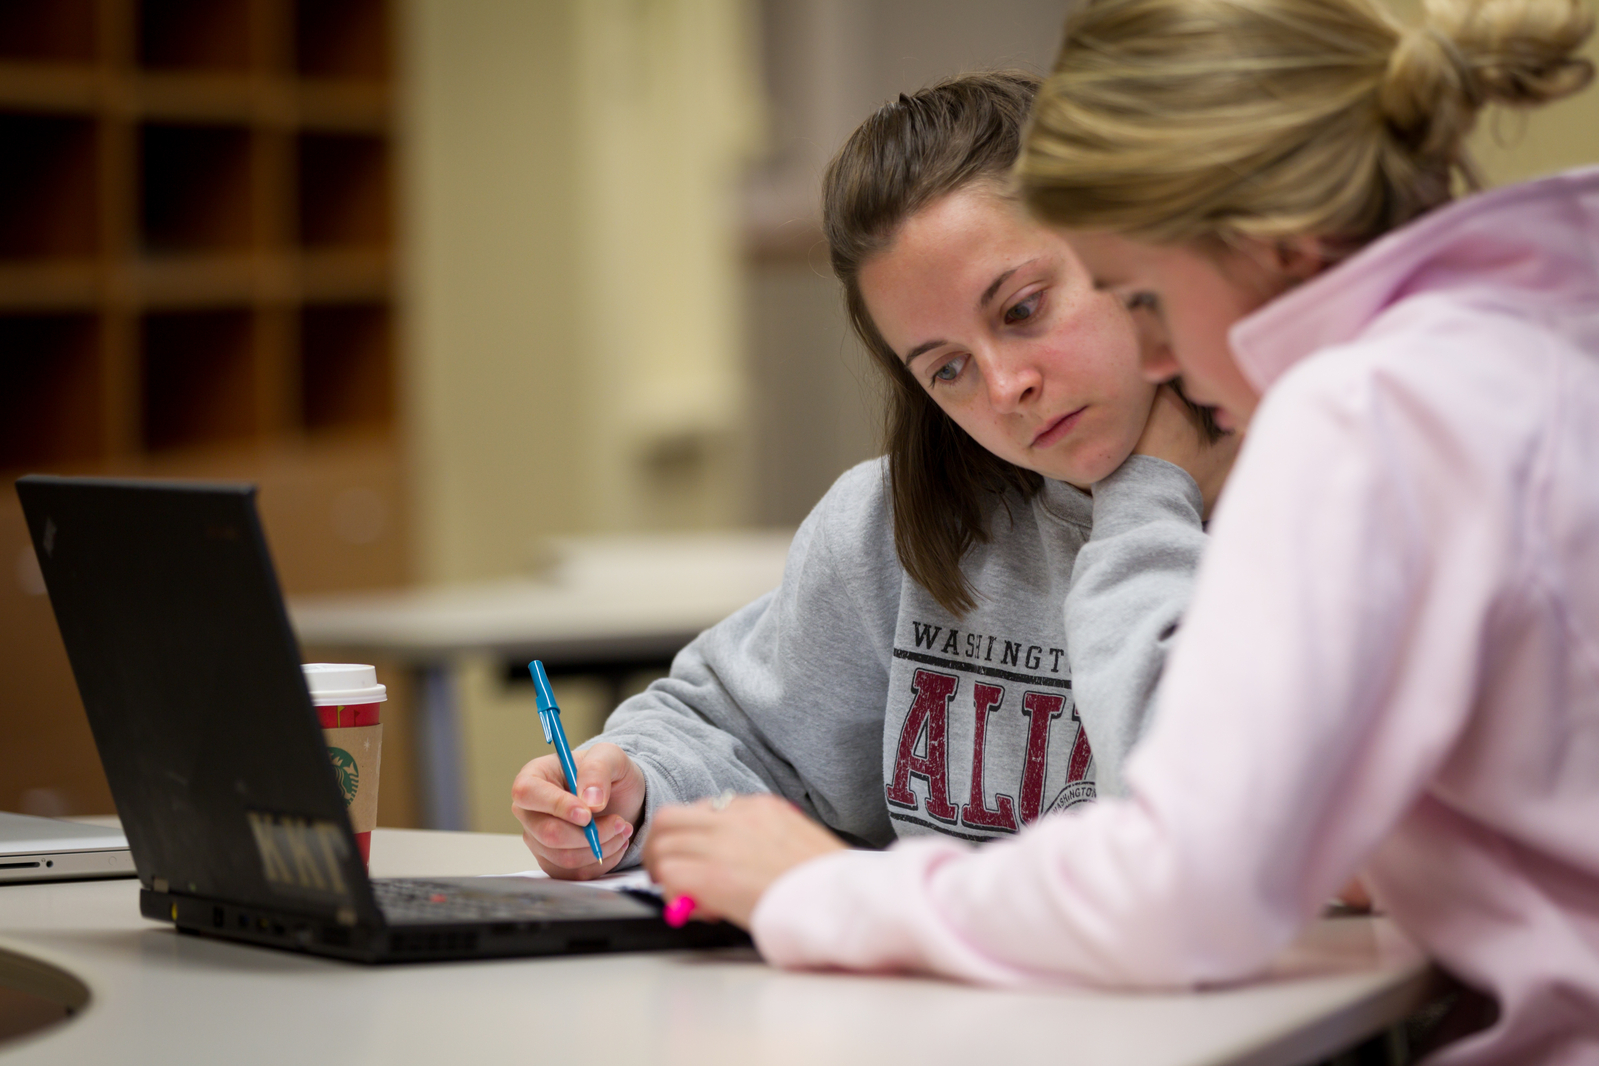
point(1013, 380)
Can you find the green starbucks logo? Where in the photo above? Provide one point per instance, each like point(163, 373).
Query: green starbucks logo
point(348, 773)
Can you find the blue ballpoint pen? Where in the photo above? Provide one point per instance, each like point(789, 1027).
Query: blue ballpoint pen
point(550, 719)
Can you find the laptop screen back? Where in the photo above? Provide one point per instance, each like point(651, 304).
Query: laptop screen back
point(190, 674)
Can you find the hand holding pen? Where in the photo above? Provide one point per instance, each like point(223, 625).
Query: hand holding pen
point(555, 733)
point(557, 811)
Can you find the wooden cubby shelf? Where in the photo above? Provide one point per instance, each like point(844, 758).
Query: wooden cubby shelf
point(48, 31)
point(341, 39)
point(209, 35)
point(343, 191)
point(196, 280)
point(347, 366)
point(198, 378)
point(48, 187)
point(51, 389)
point(195, 226)
point(195, 188)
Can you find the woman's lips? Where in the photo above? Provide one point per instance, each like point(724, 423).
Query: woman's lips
point(1057, 429)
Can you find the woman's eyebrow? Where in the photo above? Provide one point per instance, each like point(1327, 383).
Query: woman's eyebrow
point(925, 346)
point(988, 293)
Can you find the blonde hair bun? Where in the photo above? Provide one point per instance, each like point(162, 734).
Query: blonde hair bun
point(1468, 53)
point(1187, 120)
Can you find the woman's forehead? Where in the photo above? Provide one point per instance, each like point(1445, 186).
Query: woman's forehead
point(975, 216)
point(961, 240)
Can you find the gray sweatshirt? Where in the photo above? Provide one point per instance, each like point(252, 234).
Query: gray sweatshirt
point(850, 691)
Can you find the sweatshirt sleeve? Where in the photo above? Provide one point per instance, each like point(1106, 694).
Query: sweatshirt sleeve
point(786, 695)
point(1325, 670)
point(1130, 585)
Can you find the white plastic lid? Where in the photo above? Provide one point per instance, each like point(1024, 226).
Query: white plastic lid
point(343, 684)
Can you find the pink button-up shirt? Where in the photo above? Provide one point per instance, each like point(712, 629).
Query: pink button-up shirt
point(1391, 664)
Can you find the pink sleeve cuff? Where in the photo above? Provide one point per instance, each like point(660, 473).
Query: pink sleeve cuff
point(867, 910)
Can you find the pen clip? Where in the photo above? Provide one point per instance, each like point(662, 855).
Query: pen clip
point(546, 699)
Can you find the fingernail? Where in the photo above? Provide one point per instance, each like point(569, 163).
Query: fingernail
point(581, 815)
point(592, 797)
point(627, 829)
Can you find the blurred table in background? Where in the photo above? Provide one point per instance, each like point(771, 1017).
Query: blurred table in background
point(608, 606)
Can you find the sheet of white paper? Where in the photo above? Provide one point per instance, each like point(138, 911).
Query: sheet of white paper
point(637, 878)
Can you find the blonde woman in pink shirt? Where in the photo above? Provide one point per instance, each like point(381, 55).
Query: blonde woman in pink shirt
point(1391, 662)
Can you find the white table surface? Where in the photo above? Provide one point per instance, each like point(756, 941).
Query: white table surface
point(157, 996)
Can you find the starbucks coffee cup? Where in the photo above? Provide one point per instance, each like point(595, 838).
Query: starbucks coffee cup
point(348, 699)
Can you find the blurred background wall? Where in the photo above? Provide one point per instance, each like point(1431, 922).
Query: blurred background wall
point(613, 233)
point(448, 278)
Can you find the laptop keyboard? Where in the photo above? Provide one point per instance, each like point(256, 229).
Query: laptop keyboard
point(412, 901)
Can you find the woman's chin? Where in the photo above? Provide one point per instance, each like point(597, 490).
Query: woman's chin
point(1079, 477)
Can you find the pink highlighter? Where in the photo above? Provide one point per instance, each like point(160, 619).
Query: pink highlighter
point(679, 911)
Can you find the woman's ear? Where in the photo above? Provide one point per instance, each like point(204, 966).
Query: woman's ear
point(1280, 264)
point(1299, 258)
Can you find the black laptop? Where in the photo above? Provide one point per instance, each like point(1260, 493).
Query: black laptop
point(178, 637)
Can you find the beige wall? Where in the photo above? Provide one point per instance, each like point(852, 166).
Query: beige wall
point(1512, 145)
point(668, 117)
point(575, 354)
point(494, 378)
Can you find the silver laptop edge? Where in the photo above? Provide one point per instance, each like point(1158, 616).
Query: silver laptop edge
point(48, 849)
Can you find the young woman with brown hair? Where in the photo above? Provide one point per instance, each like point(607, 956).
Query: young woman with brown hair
point(914, 673)
point(1391, 662)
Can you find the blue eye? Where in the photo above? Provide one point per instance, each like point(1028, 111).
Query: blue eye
point(1023, 311)
point(950, 370)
